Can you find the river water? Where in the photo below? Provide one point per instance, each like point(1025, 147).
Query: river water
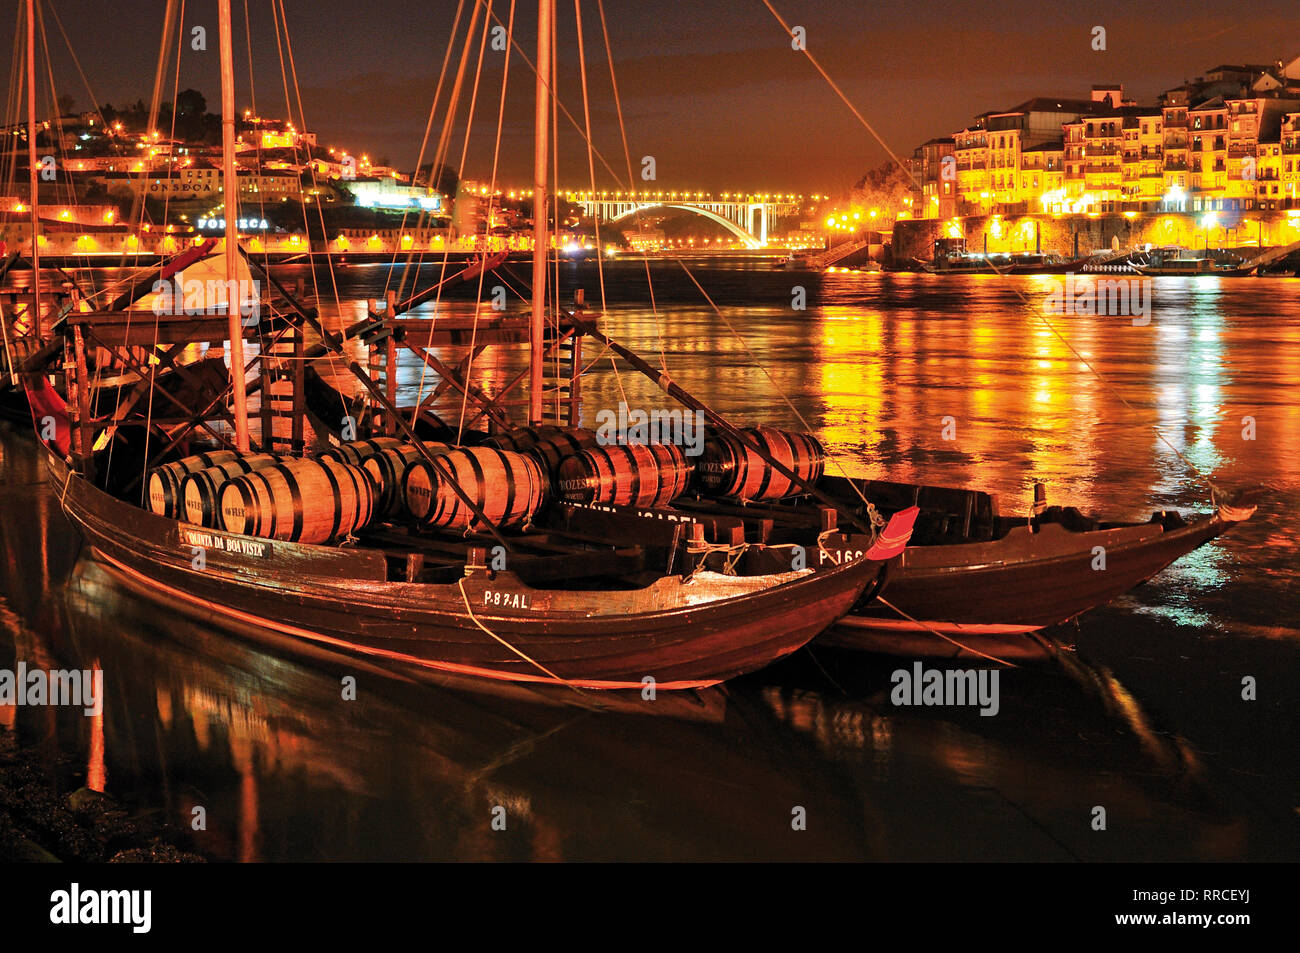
point(1142, 714)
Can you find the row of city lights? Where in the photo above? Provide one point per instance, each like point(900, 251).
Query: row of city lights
point(689, 195)
point(997, 229)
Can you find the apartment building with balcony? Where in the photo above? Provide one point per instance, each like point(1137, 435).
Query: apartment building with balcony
point(1289, 161)
point(1042, 176)
point(1006, 159)
point(1226, 140)
point(970, 151)
point(934, 179)
point(1207, 136)
point(1142, 178)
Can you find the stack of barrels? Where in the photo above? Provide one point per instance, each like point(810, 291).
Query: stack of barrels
point(437, 485)
point(200, 489)
point(163, 486)
point(730, 469)
point(388, 468)
point(262, 494)
point(548, 443)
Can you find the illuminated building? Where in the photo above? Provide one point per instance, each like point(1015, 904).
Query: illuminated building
point(1289, 161)
point(934, 177)
point(1225, 141)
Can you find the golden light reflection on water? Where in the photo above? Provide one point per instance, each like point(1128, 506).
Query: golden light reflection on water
point(874, 366)
point(848, 361)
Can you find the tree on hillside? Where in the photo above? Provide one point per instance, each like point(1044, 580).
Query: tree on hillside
point(190, 102)
point(883, 188)
point(447, 181)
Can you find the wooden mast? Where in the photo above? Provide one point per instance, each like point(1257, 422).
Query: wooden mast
point(230, 179)
point(541, 239)
point(32, 172)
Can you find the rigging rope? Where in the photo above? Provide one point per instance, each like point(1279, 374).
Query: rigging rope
point(440, 156)
point(933, 631)
point(460, 583)
point(281, 24)
point(464, 151)
point(482, 275)
point(150, 364)
point(631, 178)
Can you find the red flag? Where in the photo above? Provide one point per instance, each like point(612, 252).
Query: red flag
point(45, 404)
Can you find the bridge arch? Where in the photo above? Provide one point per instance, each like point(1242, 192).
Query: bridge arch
point(726, 223)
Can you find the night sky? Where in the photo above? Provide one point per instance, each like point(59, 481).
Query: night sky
point(712, 89)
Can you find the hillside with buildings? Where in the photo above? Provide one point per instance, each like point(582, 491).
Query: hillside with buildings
point(1217, 158)
point(112, 180)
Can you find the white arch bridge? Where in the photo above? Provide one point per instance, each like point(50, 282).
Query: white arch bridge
point(746, 216)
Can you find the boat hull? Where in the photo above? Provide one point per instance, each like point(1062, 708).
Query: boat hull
point(683, 633)
point(1156, 271)
point(992, 596)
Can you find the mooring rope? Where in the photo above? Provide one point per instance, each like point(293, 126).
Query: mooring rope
point(933, 631)
point(460, 583)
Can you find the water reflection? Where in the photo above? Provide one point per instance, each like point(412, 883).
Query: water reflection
point(1142, 719)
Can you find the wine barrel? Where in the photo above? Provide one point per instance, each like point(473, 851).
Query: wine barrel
point(548, 444)
point(387, 468)
point(201, 489)
point(355, 451)
point(303, 501)
point(508, 487)
point(730, 469)
point(164, 483)
point(632, 475)
point(521, 439)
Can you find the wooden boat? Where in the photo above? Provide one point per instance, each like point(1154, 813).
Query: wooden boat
point(968, 572)
point(990, 582)
point(683, 631)
point(797, 260)
point(1045, 264)
point(586, 601)
point(962, 263)
point(974, 582)
point(1195, 267)
point(573, 608)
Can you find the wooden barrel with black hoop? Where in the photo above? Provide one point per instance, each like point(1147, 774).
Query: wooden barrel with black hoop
point(164, 483)
point(549, 444)
point(388, 467)
point(302, 501)
point(508, 487)
point(521, 439)
point(730, 469)
point(632, 475)
point(355, 452)
point(201, 490)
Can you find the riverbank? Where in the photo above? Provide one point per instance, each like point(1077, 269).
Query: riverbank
point(40, 825)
